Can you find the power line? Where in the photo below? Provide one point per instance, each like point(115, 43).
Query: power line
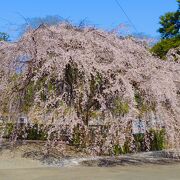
point(119, 5)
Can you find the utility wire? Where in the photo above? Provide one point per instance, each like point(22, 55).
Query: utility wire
point(119, 5)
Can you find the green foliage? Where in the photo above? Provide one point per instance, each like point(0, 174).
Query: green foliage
point(36, 133)
point(5, 106)
point(28, 98)
point(9, 128)
point(142, 105)
point(71, 78)
point(120, 108)
point(95, 114)
point(92, 105)
point(139, 142)
point(126, 147)
point(157, 140)
point(33, 133)
point(170, 24)
point(43, 96)
point(51, 85)
point(95, 84)
point(157, 143)
point(4, 36)
point(117, 150)
point(80, 139)
point(162, 47)
point(138, 99)
point(29, 93)
point(71, 74)
point(76, 136)
point(169, 30)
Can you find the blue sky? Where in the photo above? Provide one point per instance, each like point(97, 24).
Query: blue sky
point(102, 13)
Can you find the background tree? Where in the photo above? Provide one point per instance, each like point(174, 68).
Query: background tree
point(170, 24)
point(170, 35)
point(161, 48)
point(4, 36)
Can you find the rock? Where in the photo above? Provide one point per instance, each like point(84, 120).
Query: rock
point(173, 55)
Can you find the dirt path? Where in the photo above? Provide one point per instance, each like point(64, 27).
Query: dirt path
point(87, 173)
point(14, 167)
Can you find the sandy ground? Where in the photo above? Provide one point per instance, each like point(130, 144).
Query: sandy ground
point(14, 167)
point(88, 173)
point(17, 168)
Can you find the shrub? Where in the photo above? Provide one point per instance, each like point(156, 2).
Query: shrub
point(162, 47)
point(9, 128)
point(120, 108)
point(117, 150)
point(139, 142)
point(76, 136)
point(157, 140)
point(36, 133)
